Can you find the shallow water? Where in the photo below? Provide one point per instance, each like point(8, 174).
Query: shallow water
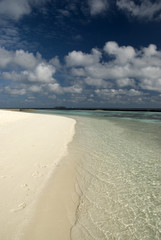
point(119, 176)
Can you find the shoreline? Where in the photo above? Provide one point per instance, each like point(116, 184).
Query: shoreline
point(32, 151)
point(55, 213)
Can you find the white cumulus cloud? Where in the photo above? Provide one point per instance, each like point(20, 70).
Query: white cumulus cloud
point(123, 54)
point(18, 58)
point(25, 59)
point(27, 67)
point(55, 88)
point(78, 58)
point(121, 67)
point(44, 72)
point(114, 72)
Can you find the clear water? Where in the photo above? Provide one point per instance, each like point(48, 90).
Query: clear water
point(118, 158)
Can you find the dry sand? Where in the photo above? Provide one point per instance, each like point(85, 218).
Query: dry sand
point(36, 188)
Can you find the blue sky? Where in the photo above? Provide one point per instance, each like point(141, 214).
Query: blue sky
point(80, 53)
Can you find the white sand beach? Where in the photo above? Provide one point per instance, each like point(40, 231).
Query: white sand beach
point(31, 146)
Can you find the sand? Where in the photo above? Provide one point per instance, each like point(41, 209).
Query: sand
point(36, 186)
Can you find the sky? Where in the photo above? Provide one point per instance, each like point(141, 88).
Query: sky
point(80, 53)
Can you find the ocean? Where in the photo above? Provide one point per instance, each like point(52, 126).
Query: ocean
point(118, 165)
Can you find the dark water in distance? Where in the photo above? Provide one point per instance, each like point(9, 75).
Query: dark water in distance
point(118, 157)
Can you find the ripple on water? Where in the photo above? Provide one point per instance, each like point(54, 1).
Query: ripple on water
point(118, 174)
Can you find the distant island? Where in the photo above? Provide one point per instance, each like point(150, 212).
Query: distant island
point(89, 109)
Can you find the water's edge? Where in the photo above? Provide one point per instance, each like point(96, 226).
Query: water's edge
point(118, 168)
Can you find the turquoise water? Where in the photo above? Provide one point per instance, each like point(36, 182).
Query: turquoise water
point(146, 116)
point(118, 157)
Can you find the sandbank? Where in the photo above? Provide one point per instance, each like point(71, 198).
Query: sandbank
point(36, 179)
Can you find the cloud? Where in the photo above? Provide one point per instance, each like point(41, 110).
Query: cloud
point(145, 9)
point(9, 36)
point(14, 10)
point(98, 6)
point(35, 88)
point(149, 84)
point(120, 96)
point(122, 54)
point(119, 67)
point(5, 57)
point(77, 72)
point(117, 92)
point(78, 58)
point(19, 57)
point(97, 82)
point(55, 88)
point(27, 66)
point(25, 59)
point(114, 73)
point(12, 76)
point(55, 62)
point(124, 82)
point(65, 13)
point(15, 91)
point(42, 73)
point(26, 74)
point(73, 89)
